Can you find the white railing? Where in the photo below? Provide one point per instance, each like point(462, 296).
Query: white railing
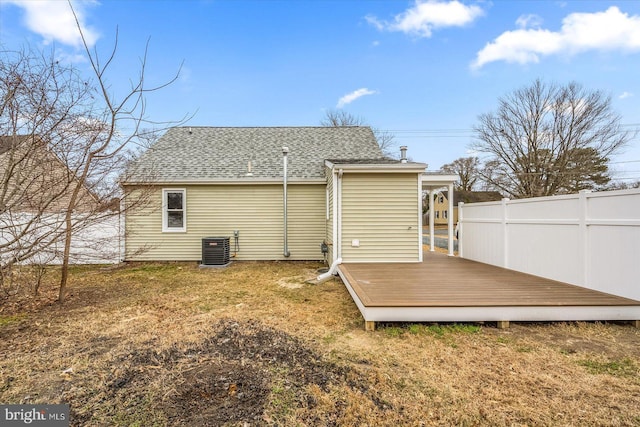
point(587, 239)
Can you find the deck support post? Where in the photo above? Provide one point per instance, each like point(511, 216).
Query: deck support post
point(369, 326)
point(502, 324)
point(635, 323)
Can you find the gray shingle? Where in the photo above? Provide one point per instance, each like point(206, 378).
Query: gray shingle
point(222, 153)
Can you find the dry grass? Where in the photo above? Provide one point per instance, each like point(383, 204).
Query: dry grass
point(253, 344)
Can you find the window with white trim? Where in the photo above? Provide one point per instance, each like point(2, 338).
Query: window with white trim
point(444, 214)
point(174, 210)
point(437, 214)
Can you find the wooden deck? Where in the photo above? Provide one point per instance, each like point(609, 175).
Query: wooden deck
point(444, 288)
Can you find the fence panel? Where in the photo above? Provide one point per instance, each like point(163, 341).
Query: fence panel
point(98, 242)
point(586, 239)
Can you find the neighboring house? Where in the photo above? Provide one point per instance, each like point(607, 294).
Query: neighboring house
point(35, 191)
point(34, 180)
point(441, 203)
point(226, 182)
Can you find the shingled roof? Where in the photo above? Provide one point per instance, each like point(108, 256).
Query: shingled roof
point(473, 196)
point(210, 154)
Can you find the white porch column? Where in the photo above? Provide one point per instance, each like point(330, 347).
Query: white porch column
point(450, 219)
point(460, 229)
point(432, 247)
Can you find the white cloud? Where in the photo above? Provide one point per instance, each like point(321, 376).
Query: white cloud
point(624, 95)
point(350, 97)
point(529, 21)
point(54, 21)
point(580, 32)
point(425, 16)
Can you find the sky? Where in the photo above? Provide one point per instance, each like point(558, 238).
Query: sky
point(422, 70)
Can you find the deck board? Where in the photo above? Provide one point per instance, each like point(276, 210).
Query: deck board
point(444, 281)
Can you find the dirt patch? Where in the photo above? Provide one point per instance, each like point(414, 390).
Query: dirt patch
point(231, 377)
point(598, 338)
point(297, 282)
point(217, 392)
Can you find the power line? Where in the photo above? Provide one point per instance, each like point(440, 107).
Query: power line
point(467, 132)
point(625, 161)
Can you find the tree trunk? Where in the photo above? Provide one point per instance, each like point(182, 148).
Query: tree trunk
point(64, 273)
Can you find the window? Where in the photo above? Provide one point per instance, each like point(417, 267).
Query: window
point(444, 214)
point(174, 212)
point(437, 214)
point(441, 199)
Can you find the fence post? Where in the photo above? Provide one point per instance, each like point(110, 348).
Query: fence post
point(583, 237)
point(505, 237)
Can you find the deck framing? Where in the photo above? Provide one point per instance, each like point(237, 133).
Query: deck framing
point(450, 289)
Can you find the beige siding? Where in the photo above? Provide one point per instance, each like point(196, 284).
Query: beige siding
point(307, 213)
point(256, 211)
point(381, 211)
point(38, 182)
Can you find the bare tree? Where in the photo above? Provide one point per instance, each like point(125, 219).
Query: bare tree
point(101, 151)
point(39, 98)
point(537, 138)
point(66, 140)
point(336, 118)
point(385, 139)
point(467, 169)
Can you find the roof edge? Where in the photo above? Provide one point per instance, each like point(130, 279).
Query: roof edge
point(376, 167)
point(237, 181)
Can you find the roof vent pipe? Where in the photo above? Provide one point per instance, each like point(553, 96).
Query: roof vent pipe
point(285, 151)
point(403, 154)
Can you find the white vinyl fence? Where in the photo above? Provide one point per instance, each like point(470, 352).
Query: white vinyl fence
point(587, 239)
point(98, 242)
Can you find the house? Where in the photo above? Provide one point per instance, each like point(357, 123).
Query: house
point(34, 179)
point(37, 187)
point(278, 193)
point(441, 203)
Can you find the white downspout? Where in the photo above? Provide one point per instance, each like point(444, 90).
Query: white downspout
point(339, 216)
point(334, 233)
point(337, 220)
point(329, 274)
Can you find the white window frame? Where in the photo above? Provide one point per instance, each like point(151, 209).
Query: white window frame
point(437, 214)
point(444, 214)
point(165, 210)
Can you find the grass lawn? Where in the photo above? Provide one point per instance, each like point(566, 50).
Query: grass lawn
point(253, 344)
